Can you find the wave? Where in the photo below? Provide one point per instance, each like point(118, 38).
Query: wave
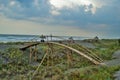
point(25, 38)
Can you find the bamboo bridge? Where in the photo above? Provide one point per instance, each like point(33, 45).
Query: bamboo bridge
point(91, 56)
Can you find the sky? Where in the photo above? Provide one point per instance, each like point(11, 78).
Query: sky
point(86, 18)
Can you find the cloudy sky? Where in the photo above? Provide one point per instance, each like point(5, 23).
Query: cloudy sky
point(86, 18)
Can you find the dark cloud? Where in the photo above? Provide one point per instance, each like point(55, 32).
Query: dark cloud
point(25, 9)
point(25, 3)
point(108, 14)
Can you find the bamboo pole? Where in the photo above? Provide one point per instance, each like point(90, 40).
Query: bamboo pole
point(82, 54)
point(35, 72)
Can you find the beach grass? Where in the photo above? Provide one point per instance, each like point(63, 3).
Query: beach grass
point(56, 66)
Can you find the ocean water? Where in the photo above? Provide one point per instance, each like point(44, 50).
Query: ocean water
point(16, 38)
point(26, 38)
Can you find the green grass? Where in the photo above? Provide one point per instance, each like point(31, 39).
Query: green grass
point(56, 65)
point(106, 48)
point(93, 73)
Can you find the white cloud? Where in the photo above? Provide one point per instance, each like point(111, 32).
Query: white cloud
point(72, 4)
point(36, 3)
point(55, 12)
point(12, 3)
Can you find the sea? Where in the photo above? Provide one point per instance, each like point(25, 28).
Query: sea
point(28, 38)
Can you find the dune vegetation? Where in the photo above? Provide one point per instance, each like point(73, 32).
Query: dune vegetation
point(57, 64)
